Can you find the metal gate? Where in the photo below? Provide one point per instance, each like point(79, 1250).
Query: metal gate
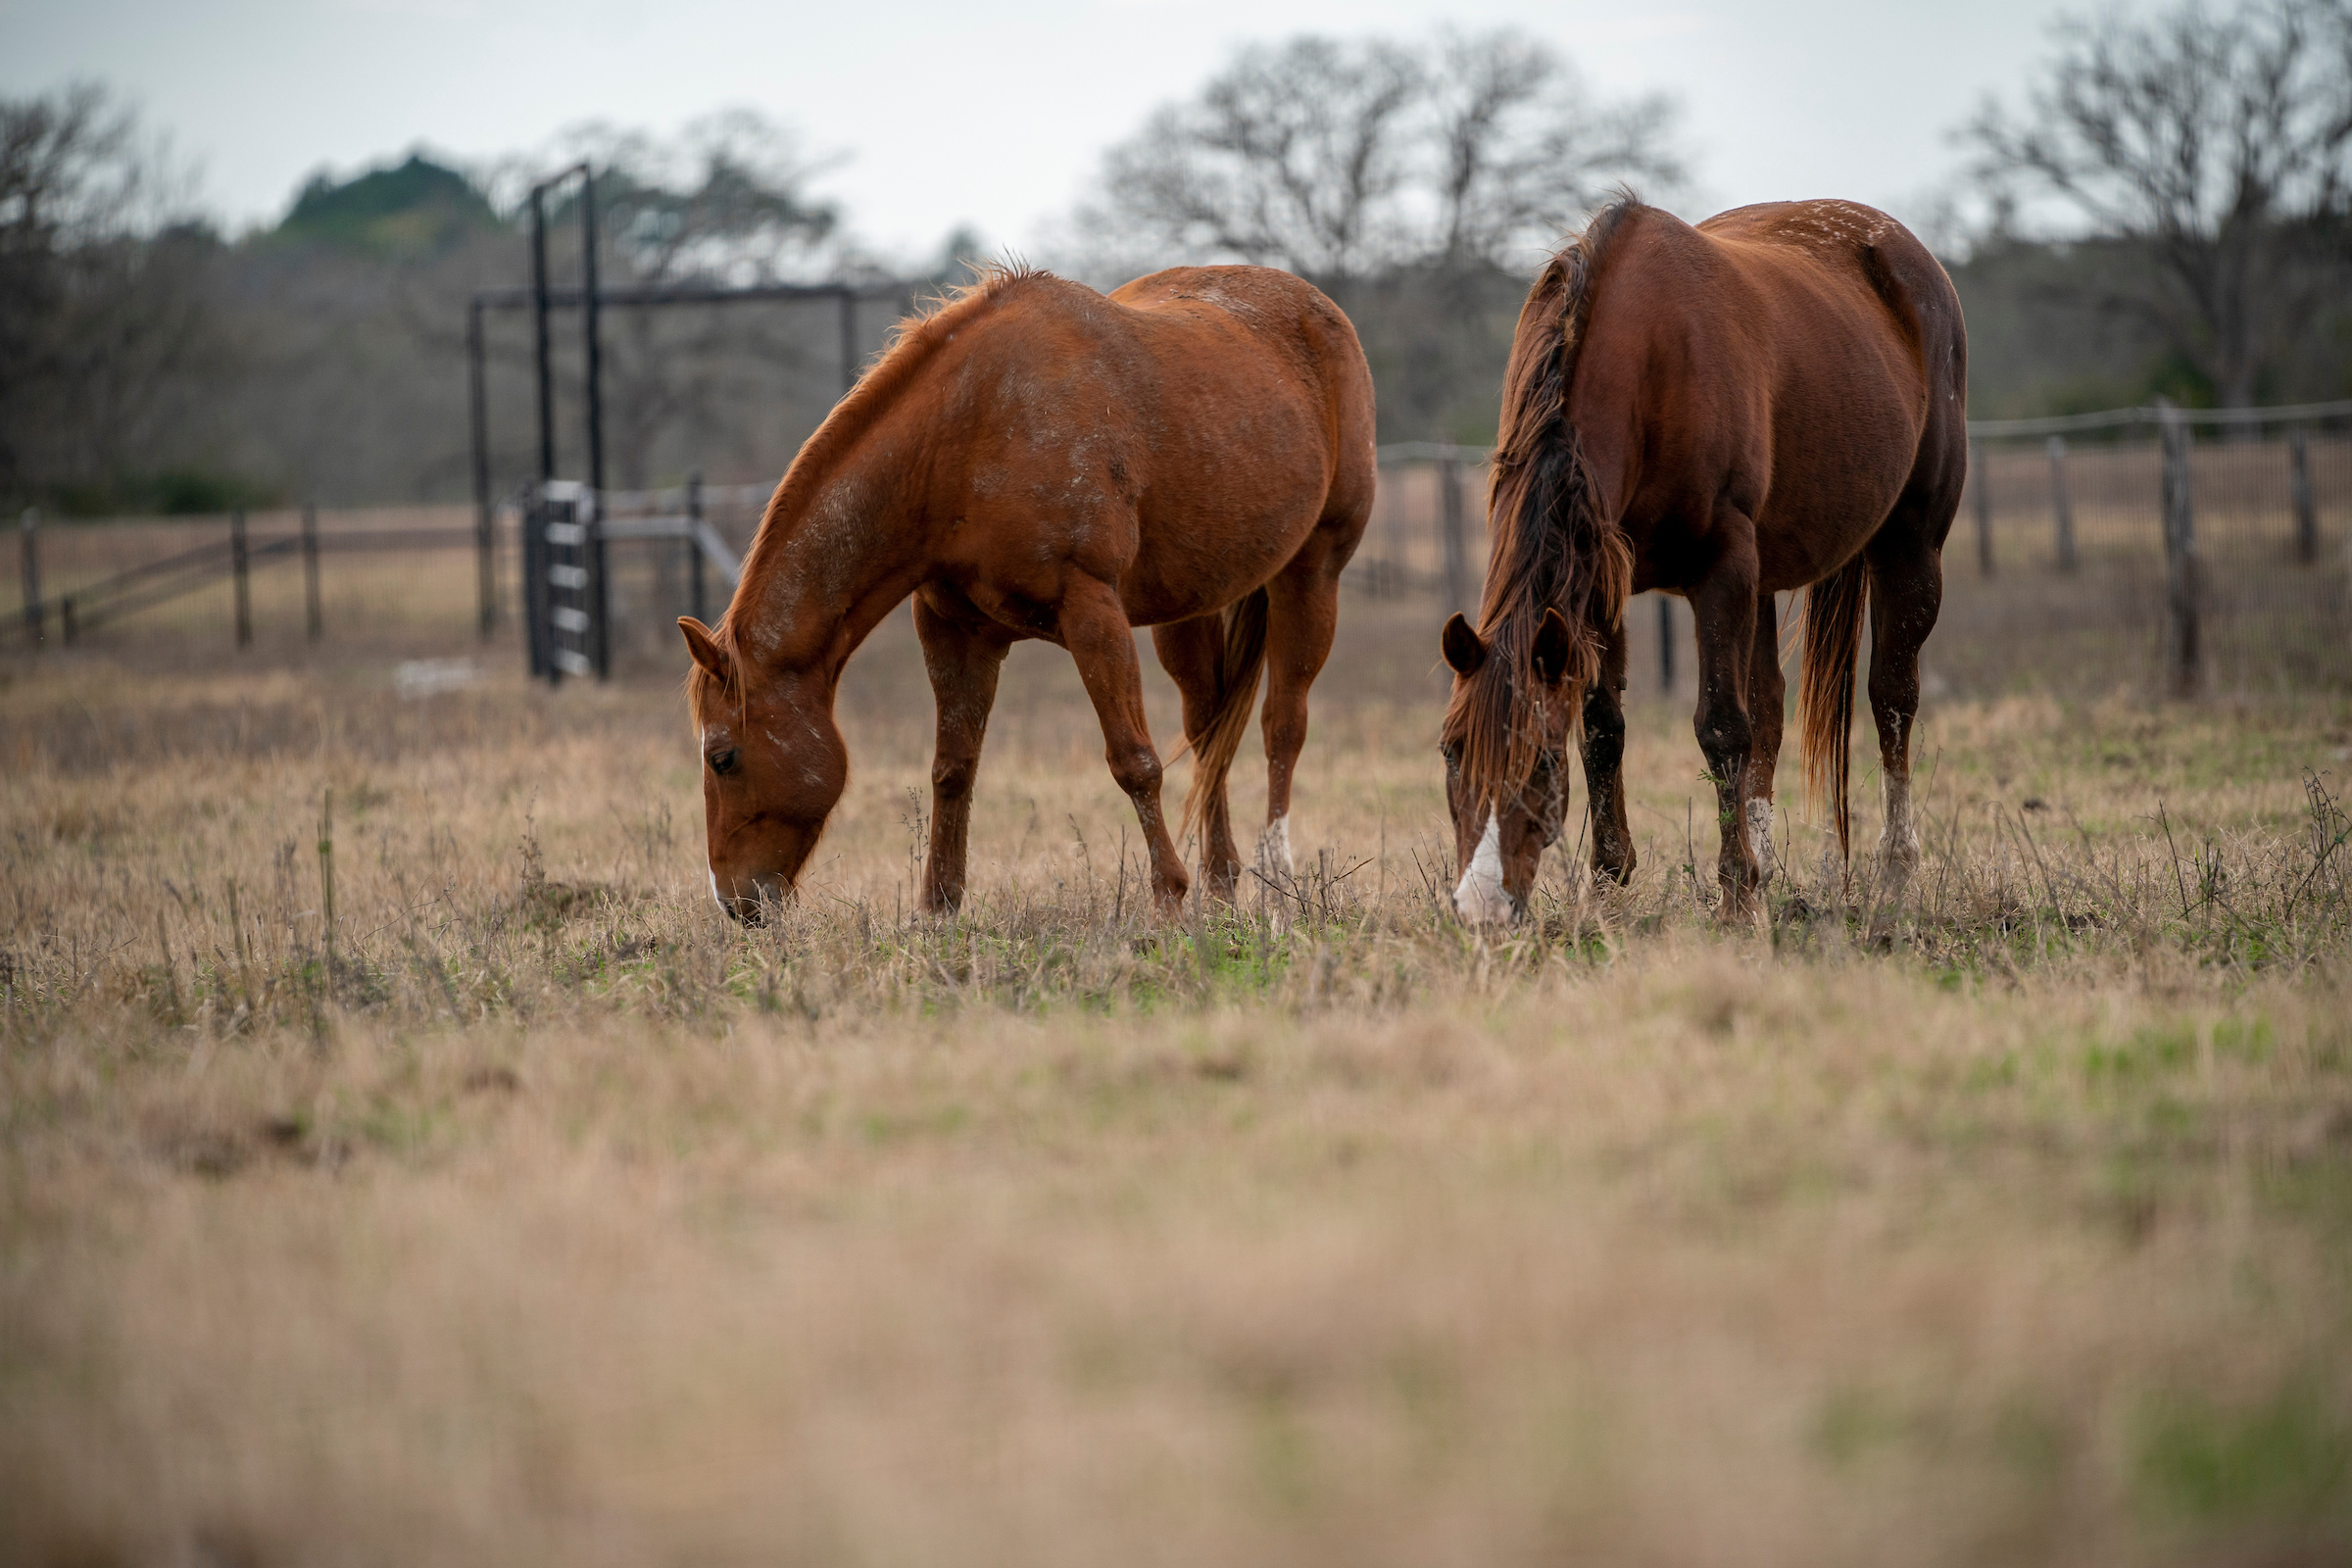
point(566, 602)
point(567, 576)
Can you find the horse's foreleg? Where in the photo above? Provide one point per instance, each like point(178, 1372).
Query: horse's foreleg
point(1604, 764)
point(962, 664)
point(1767, 692)
point(1906, 590)
point(1096, 630)
point(1190, 650)
point(1724, 607)
point(1302, 613)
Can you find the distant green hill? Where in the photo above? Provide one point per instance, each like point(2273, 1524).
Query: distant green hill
point(417, 208)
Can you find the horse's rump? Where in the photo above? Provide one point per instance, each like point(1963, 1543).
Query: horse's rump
point(1769, 360)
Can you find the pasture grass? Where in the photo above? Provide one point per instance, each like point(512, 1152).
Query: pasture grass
point(529, 1211)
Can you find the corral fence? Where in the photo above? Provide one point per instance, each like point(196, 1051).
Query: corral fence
point(2155, 549)
point(414, 572)
point(2180, 549)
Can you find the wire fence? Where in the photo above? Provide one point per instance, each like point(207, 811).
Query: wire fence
point(2149, 550)
point(2152, 549)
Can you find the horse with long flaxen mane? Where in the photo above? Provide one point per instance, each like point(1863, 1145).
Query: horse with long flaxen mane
point(1034, 459)
point(1774, 399)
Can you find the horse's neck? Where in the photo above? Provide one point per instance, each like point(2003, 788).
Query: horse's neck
point(845, 548)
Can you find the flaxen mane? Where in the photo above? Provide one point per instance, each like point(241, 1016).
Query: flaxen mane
point(1552, 546)
point(913, 341)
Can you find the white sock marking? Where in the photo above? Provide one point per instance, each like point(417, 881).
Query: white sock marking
point(1479, 898)
point(1898, 841)
point(1274, 847)
point(1759, 831)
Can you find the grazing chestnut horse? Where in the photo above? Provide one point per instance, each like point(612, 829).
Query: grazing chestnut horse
point(1193, 453)
point(1774, 399)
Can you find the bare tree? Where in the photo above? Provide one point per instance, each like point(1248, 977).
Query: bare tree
point(2216, 145)
point(101, 305)
point(1341, 159)
point(1287, 158)
point(726, 202)
point(1523, 147)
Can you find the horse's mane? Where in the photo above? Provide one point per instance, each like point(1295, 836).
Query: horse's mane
point(1552, 546)
point(914, 339)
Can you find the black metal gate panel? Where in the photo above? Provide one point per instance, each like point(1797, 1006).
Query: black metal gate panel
point(564, 572)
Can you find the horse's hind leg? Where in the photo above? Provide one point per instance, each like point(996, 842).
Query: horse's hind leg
point(1191, 652)
point(1302, 615)
point(1101, 642)
point(1767, 697)
point(962, 663)
point(1723, 607)
point(1906, 591)
point(1604, 764)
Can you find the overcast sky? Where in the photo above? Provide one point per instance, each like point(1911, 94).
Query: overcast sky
point(991, 114)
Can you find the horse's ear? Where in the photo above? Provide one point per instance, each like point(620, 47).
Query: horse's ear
point(703, 644)
point(1551, 648)
point(1464, 652)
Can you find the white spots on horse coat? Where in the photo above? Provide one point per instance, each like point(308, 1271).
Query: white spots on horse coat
point(1480, 897)
point(1835, 224)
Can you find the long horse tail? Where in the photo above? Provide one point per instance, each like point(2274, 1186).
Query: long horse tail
point(1240, 662)
point(1825, 701)
point(1553, 548)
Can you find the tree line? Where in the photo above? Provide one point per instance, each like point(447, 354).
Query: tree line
point(2161, 207)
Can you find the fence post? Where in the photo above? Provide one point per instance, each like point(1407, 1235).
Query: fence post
point(1666, 644)
point(2062, 506)
point(1450, 531)
point(848, 340)
point(600, 589)
point(485, 542)
point(2307, 513)
point(693, 546)
point(312, 621)
point(1983, 488)
point(30, 522)
point(237, 565)
point(533, 597)
point(65, 626)
point(2180, 554)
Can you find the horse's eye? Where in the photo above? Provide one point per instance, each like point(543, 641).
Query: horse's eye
point(722, 761)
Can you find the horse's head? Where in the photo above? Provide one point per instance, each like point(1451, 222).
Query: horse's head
point(1505, 741)
point(773, 767)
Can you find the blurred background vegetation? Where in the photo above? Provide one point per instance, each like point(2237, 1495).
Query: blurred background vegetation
point(2160, 207)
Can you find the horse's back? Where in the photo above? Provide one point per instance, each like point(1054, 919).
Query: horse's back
point(1808, 251)
point(1197, 313)
point(1818, 340)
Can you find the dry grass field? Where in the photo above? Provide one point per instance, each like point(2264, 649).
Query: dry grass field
point(510, 1206)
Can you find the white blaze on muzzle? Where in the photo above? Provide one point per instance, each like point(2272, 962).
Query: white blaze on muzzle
point(1479, 898)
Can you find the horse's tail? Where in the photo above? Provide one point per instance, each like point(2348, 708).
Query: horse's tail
point(1825, 703)
point(1238, 664)
point(1554, 547)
